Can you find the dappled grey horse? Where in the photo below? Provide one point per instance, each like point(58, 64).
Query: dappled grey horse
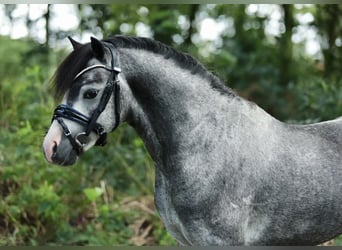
point(227, 173)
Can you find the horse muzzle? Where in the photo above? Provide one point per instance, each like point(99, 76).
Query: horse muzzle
point(57, 149)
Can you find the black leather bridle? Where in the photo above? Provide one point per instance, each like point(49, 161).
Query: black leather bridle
point(90, 123)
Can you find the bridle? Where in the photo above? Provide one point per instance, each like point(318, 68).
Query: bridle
point(90, 123)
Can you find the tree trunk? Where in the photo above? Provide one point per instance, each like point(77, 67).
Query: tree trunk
point(47, 26)
point(192, 15)
point(285, 46)
point(328, 21)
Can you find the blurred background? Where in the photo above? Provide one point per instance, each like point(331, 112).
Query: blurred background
point(286, 58)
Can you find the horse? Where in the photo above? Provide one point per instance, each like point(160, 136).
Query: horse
point(226, 172)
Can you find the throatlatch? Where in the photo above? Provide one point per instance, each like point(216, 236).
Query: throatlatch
point(91, 125)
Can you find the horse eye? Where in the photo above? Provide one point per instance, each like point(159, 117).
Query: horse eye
point(90, 94)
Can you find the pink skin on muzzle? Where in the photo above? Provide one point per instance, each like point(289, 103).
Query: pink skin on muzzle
point(51, 141)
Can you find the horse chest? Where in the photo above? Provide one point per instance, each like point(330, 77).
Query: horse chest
point(167, 211)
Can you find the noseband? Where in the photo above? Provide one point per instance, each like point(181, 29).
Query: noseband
point(90, 123)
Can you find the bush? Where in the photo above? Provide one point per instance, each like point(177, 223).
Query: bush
point(317, 99)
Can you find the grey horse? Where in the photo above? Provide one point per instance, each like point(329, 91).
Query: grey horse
point(227, 173)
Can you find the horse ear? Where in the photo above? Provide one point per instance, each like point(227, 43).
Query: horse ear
point(74, 44)
point(97, 48)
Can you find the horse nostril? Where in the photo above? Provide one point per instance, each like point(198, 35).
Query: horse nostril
point(54, 148)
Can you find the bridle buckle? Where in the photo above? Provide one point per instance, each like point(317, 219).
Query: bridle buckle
point(82, 139)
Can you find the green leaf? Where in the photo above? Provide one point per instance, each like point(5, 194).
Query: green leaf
point(93, 193)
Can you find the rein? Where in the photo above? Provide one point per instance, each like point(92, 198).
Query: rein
point(90, 124)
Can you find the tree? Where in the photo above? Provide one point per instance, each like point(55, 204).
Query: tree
point(286, 74)
point(328, 20)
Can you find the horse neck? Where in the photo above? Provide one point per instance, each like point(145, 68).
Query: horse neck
point(170, 103)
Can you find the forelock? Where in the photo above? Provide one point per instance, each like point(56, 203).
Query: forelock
point(76, 61)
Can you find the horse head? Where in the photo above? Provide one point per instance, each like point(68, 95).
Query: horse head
point(90, 108)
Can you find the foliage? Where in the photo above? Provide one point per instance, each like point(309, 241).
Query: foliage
point(318, 100)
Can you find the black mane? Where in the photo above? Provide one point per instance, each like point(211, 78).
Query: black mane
point(77, 60)
point(184, 60)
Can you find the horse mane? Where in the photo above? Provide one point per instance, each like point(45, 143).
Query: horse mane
point(184, 60)
point(78, 59)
